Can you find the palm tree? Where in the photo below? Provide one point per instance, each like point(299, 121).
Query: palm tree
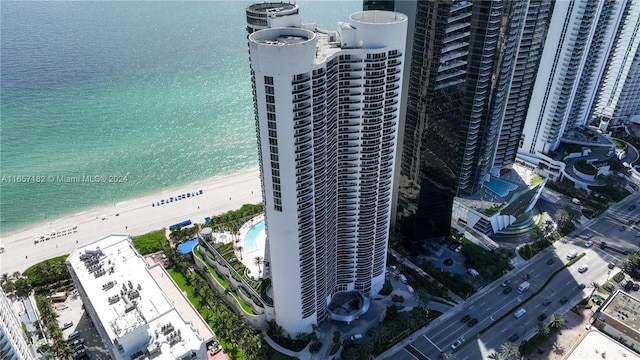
point(542, 329)
point(336, 336)
point(258, 261)
point(496, 356)
point(595, 286)
point(423, 297)
point(379, 334)
point(510, 350)
point(556, 321)
point(630, 263)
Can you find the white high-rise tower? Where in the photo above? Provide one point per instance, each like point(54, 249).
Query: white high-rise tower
point(13, 345)
point(327, 106)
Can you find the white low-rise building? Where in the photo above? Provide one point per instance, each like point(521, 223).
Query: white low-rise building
point(131, 312)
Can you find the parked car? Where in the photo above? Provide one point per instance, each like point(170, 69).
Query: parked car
point(622, 228)
point(316, 346)
point(472, 322)
point(546, 302)
point(507, 290)
point(505, 283)
point(611, 265)
point(629, 285)
point(581, 286)
point(514, 338)
point(632, 207)
point(603, 245)
point(458, 249)
point(66, 325)
point(77, 342)
point(563, 300)
point(583, 268)
point(541, 317)
point(588, 244)
point(635, 287)
point(526, 277)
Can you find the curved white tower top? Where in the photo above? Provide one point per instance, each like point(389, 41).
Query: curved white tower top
point(267, 15)
point(327, 107)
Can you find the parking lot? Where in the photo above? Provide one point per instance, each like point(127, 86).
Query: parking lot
point(71, 310)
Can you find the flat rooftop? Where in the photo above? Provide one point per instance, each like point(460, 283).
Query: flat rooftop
point(595, 345)
point(131, 306)
point(625, 309)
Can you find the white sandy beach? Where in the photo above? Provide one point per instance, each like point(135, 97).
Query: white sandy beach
point(134, 217)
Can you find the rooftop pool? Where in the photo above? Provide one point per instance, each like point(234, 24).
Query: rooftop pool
point(499, 187)
point(252, 235)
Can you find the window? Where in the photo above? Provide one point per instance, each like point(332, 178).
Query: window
point(268, 80)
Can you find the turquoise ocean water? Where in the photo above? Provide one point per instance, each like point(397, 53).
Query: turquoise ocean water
point(152, 94)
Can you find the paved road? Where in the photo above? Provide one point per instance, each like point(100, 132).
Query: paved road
point(490, 304)
point(617, 226)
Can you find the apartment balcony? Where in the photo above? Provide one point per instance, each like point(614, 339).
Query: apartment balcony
point(458, 26)
point(456, 37)
point(449, 75)
point(458, 17)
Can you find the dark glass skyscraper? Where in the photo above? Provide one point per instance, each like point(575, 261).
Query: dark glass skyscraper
point(463, 56)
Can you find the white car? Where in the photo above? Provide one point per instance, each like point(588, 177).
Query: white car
point(583, 268)
point(457, 343)
point(588, 244)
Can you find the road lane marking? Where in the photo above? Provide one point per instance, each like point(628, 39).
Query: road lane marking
point(432, 343)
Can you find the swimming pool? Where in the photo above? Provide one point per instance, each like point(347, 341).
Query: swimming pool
point(499, 187)
point(186, 247)
point(252, 235)
point(222, 237)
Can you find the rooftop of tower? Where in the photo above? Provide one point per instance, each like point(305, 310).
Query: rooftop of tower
point(126, 297)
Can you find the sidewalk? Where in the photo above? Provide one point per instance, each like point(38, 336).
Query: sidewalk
point(558, 346)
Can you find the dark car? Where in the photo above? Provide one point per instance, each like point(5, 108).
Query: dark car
point(526, 277)
point(581, 286)
point(611, 265)
point(514, 338)
point(632, 207)
point(564, 300)
point(465, 318)
point(542, 317)
point(507, 290)
point(635, 287)
point(629, 285)
point(79, 353)
point(472, 322)
point(546, 302)
point(603, 245)
point(550, 261)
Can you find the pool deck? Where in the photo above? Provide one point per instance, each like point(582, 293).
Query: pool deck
point(247, 257)
point(486, 198)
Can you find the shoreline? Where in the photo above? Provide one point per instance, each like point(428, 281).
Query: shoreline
point(132, 217)
point(155, 194)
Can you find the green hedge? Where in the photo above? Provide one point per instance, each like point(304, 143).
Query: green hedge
point(583, 167)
